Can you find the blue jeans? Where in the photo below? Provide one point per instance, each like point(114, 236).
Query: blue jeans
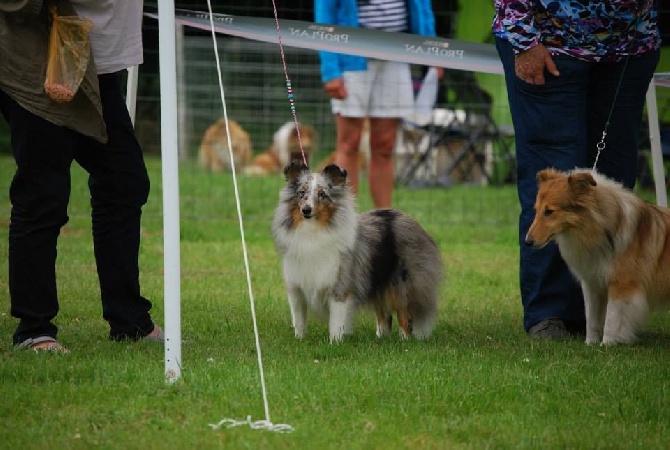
point(40, 192)
point(559, 124)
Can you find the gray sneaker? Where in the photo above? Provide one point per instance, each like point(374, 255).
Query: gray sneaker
point(550, 329)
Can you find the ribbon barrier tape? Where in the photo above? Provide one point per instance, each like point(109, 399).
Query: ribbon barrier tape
point(403, 47)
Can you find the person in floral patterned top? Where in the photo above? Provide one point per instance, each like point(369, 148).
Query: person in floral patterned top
point(574, 69)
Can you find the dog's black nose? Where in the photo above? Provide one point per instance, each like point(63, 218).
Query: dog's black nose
point(306, 210)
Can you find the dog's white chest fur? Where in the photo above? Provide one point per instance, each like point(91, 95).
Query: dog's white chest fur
point(313, 261)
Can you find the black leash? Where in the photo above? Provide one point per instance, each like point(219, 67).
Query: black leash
point(600, 146)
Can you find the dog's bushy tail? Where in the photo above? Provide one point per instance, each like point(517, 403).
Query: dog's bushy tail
point(424, 273)
point(424, 307)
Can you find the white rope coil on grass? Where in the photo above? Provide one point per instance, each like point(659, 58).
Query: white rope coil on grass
point(254, 425)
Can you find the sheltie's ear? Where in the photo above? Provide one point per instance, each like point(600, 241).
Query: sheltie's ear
point(294, 169)
point(581, 181)
point(547, 174)
point(337, 176)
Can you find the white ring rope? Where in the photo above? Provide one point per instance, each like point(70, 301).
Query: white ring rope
point(262, 424)
point(254, 425)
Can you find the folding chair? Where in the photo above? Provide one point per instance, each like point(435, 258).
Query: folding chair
point(455, 144)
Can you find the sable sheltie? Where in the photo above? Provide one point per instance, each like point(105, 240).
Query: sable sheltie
point(336, 260)
point(214, 153)
point(616, 244)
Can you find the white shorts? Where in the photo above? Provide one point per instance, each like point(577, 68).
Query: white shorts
point(383, 90)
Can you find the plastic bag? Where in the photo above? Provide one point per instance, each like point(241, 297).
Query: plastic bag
point(68, 56)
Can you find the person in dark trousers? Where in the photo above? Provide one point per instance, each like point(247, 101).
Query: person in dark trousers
point(574, 71)
point(92, 129)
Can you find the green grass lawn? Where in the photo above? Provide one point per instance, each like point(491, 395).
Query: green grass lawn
point(478, 382)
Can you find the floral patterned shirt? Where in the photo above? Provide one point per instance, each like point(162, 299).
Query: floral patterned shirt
point(586, 29)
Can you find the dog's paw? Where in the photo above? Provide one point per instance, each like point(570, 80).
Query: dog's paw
point(335, 339)
point(384, 327)
point(337, 335)
point(381, 332)
point(593, 338)
point(299, 332)
point(404, 335)
point(618, 339)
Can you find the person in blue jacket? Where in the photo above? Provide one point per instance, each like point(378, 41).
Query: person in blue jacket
point(365, 88)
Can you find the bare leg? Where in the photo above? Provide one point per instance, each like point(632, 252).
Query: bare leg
point(381, 175)
point(349, 131)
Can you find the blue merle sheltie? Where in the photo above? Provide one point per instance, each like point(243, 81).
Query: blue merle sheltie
point(336, 260)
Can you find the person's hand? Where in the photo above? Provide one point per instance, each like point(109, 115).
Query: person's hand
point(440, 72)
point(530, 64)
point(335, 88)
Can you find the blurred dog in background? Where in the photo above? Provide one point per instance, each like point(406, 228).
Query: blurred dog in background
point(214, 153)
point(285, 148)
